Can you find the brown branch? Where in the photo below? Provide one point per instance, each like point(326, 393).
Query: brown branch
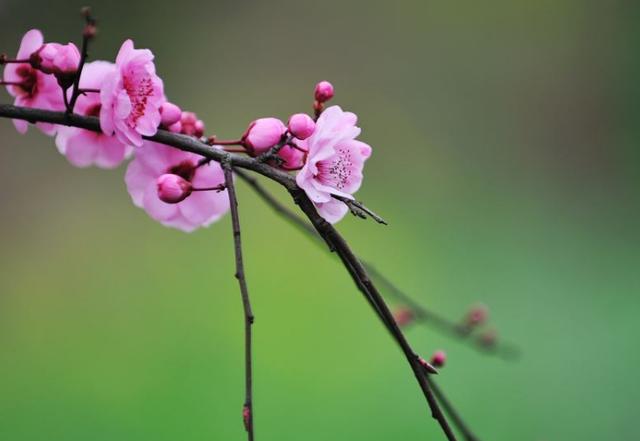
point(247, 411)
point(87, 35)
point(333, 239)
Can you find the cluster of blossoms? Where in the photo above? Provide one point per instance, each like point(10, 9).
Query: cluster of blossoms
point(178, 189)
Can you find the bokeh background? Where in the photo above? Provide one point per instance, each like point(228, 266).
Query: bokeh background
point(506, 160)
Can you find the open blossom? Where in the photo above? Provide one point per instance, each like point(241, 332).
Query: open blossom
point(199, 209)
point(84, 147)
point(334, 163)
point(131, 96)
point(31, 87)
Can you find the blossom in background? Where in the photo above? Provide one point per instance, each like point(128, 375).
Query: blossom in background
point(84, 147)
point(131, 96)
point(199, 209)
point(31, 87)
point(334, 163)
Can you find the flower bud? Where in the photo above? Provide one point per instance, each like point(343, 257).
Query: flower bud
point(324, 91)
point(246, 417)
point(191, 125)
point(438, 358)
point(175, 128)
point(293, 157)
point(403, 316)
point(170, 114)
point(488, 338)
point(301, 125)
point(173, 188)
point(54, 58)
point(477, 315)
point(263, 134)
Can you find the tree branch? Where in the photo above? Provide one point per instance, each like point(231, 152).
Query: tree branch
point(333, 239)
point(247, 411)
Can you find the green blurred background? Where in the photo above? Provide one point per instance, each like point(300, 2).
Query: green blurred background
point(506, 160)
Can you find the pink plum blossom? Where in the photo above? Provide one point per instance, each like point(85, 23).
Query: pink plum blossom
point(84, 147)
point(34, 88)
point(262, 134)
point(301, 125)
point(131, 96)
point(293, 157)
point(334, 163)
point(199, 209)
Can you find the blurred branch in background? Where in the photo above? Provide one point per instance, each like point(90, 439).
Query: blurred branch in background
point(412, 311)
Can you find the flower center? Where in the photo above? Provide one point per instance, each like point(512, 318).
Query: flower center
point(336, 171)
point(186, 170)
point(93, 110)
point(139, 92)
point(28, 80)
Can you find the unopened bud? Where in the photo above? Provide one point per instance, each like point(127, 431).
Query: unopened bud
point(301, 125)
point(324, 91)
point(90, 30)
point(246, 417)
point(191, 125)
point(170, 114)
point(403, 316)
point(262, 134)
point(173, 188)
point(488, 338)
point(438, 358)
point(477, 315)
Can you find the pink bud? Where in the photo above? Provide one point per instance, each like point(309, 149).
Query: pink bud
point(198, 128)
point(173, 188)
point(324, 91)
point(191, 125)
point(301, 125)
point(403, 316)
point(175, 128)
point(246, 417)
point(54, 58)
point(170, 114)
point(489, 338)
point(293, 157)
point(477, 315)
point(438, 358)
point(263, 134)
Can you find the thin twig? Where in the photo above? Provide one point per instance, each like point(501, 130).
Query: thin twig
point(247, 411)
point(84, 54)
point(358, 209)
